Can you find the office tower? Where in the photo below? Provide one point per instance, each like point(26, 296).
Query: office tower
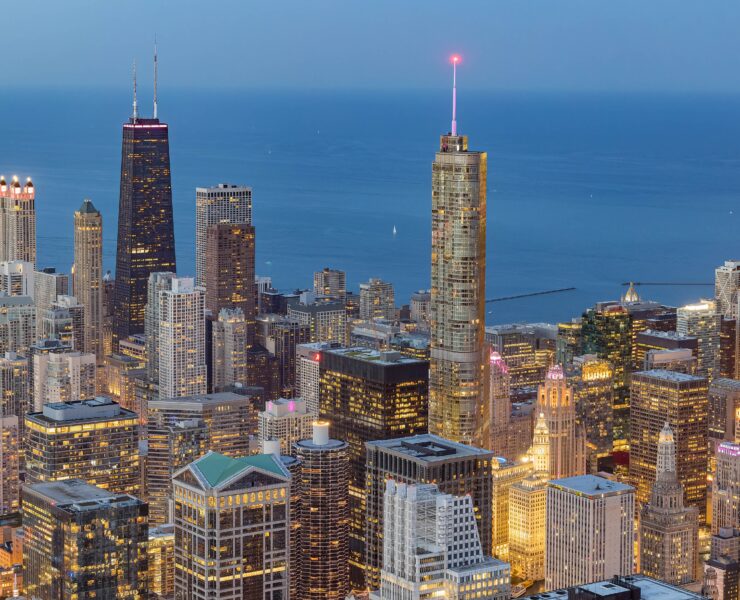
point(569, 342)
point(433, 549)
point(727, 347)
point(87, 276)
point(726, 487)
point(62, 377)
point(504, 475)
point(377, 300)
point(10, 453)
point(651, 339)
point(457, 306)
point(17, 324)
point(724, 402)
point(726, 285)
point(81, 541)
point(308, 366)
point(518, 344)
point(599, 515)
point(230, 419)
point(47, 285)
point(263, 371)
point(93, 440)
point(420, 302)
point(280, 336)
point(286, 421)
point(181, 340)
point(16, 278)
point(229, 274)
point(248, 523)
point(527, 510)
point(15, 396)
point(146, 235)
point(680, 400)
point(324, 516)
point(108, 290)
point(171, 446)
point(17, 220)
point(681, 361)
point(593, 391)
point(567, 440)
point(222, 203)
point(702, 321)
point(621, 588)
point(327, 320)
point(229, 349)
point(330, 282)
point(65, 320)
point(456, 468)
point(366, 396)
point(497, 410)
point(669, 531)
point(160, 552)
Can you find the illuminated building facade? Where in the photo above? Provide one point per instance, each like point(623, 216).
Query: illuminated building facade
point(82, 541)
point(433, 549)
point(281, 336)
point(377, 300)
point(146, 235)
point(16, 278)
point(727, 347)
point(93, 440)
point(229, 336)
point(330, 282)
point(10, 454)
point(324, 516)
point(62, 377)
point(518, 345)
point(308, 372)
point(680, 400)
point(160, 551)
point(47, 285)
point(327, 320)
point(651, 339)
point(17, 324)
point(366, 396)
point(726, 285)
point(222, 203)
point(569, 342)
point(455, 468)
point(597, 513)
point(504, 475)
point(286, 421)
point(17, 220)
point(724, 402)
point(457, 304)
point(65, 320)
point(15, 395)
point(703, 322)
point(87, 275)
point(726, 488)
point(497, 408)
point(669, 531)
point(238, 508)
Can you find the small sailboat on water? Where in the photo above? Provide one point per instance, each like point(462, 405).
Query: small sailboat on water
point(394, 230)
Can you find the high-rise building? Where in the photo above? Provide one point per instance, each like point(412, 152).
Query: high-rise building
point(15, 395)
point(457, 469)
point(420, 308)
point(158, 282)
point(727, 347)
point(518, 345)
point(569, 342)
point(680, 360)
point(504, 475)
point(281, 336)
point(621, 588)
point(366, 396)
point(327, 319)
point(222, 203)
point(17, 220)
point(702, 321)
point(146, 234)
point(286, 421)
point(16, 278)
point(81, 541)
point(10, 454)
point(377, 300)
point(497, 408)
point(726, 285)
point(724, 402)
point(330, 282)
point(433, 549)
point(726, 487)
point(160, 551)
point(229, 274)
point(308, 368)
point(721, 579)
point(170, 447)
point(93, 440)
point(669, 531)
point(17, 324)
point(651, 339)
point(229, 349)
point(680, 400)
point(62, 377)
point(590, 530)
point(246, 523)
point(47, 286)
point(108, 291)
point(64, 321)
point(87, 276)
point(324, 515)
point(457, 306)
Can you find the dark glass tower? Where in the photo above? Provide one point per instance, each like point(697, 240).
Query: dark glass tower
point(146, 236)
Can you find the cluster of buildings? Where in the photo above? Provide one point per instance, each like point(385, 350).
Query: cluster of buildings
point(177, 437)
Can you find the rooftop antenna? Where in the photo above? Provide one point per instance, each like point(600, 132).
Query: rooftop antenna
point(136, 109)
point(455, 59)
point(155, 75)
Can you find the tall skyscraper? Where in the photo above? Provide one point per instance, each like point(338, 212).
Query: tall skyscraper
point(497, 412)
point(87, 276)
point(222, 203)
point(327, 320)
point(504, 474)
point(377, 300)
point(726, 488)
point(308, 369)
point(726, 285)
point(669, 531)
point(48, 285)
point(248, 527)
point(724, 402)
point(457, 306)
point(146, 235)
point(658, 397)
point(368, 395)
point(17, 324)
point(65, 321)
point(62, 377)
point(702, 321)
point(17, 220)
point(433, 549)
point(10, 455)
point(81, 541)
point(324, 515)
point(330, 282)
point(229, 349)
point(158, 282)
point(161, 561)
point(590, 530)
point(15, 394)
point(281, 336)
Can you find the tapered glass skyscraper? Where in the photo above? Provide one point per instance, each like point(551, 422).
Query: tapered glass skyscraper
point(146, 236)
point(457, 307)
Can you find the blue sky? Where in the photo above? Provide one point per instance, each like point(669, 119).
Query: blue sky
point(568, 45)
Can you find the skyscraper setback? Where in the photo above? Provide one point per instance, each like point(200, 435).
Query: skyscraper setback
point(146, 235)
point(457, 304)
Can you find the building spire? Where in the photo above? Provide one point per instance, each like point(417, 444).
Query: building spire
point(155, 76)
point(455, 59)
point(135, 114)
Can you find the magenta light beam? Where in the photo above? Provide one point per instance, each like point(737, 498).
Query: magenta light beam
point(455, 59)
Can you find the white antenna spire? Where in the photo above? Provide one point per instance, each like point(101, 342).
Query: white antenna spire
point(455, 60)
point(136, 108)
point(155, 75)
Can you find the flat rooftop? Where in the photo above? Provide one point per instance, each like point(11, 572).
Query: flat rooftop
point(591, 485)
point(666, 335)
point(215, 398)
point(650, 589)
point(429, 448)
point(100, 408)
point(75, 495)
point(672, 376)
point(374, 356)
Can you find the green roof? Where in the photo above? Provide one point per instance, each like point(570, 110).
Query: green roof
point(217, 468)
point(88, 207)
